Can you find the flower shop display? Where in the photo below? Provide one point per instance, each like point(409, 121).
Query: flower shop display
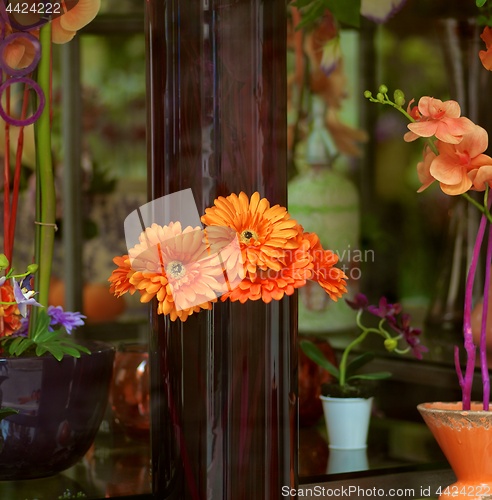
point(47, 376)
point(348, 400)
point(455, 156)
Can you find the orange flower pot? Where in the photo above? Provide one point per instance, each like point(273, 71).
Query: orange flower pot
point(465, 437)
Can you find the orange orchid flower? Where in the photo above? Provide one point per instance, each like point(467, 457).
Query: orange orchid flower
point(454, 163)
point(66, 26)
point(439, 118)
point(486, 55)
point(481, 177)
point(423, 169)
point(413, 111)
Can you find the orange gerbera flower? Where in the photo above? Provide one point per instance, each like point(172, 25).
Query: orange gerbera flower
point(176, 267)
point(441, 119)
point(329, 277)
point(264, 232)
point(66, 26)
point(486, 55)
point(270, 284)
point(120, 277)
point(454, 163)
point(10, 318)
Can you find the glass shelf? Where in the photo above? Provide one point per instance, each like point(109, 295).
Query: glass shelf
point(114, 467)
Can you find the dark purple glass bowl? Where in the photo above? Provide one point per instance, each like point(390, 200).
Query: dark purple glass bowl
point(61, 405)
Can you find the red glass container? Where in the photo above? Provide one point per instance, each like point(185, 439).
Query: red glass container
point(130, 390)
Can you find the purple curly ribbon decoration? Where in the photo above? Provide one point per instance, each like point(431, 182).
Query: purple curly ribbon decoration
point(11, 38)
point(18, 75)
point(31, 119)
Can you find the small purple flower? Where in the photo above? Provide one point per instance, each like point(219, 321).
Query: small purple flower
point(66, 319)
point(360, 302)
point(3, 279)
point(385, 310)
point(23, 297)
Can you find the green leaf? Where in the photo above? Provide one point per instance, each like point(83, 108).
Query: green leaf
point(481, 3)
point(302, 3)
point(358, 362)
point(315, 354)
point(46, 336)
point(18, 348)
point(311, 15)
point(13, 344)
point(53, 349)
point(6, 412)
point(42, 325)
point(346, 11)
point(371, 376)
point(71, 351)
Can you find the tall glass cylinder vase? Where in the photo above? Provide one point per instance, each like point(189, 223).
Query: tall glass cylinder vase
point(459, 38)
point(223, 383)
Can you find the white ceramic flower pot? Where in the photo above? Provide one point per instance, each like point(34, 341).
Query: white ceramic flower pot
point(347, 421)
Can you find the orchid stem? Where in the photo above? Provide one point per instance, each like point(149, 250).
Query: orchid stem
point(45, 192)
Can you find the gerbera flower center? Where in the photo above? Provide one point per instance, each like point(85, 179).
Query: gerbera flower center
point(247, 235)
point(175, 269)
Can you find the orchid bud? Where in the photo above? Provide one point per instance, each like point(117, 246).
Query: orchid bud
point(367, 94)
point(399, 97)
point(4, 262)
point(390, 344)
point(32, 268)
point(383, 89)
point(380, 97)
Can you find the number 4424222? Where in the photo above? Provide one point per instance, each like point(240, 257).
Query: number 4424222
point(469, 490)
point(14, 7)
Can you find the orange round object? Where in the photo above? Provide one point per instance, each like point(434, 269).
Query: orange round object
point(99, 305)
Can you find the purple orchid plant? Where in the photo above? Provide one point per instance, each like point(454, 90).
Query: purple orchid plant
point(393, 327)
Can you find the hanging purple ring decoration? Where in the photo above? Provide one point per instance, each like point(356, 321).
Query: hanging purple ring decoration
point(31, 119)
point(4, 17)
point(21, 71)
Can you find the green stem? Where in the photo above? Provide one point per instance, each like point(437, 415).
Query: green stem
point(480, 207)
point(45, 192)
point(365, 332)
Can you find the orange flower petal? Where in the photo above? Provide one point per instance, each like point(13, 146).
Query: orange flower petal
point(66, 26)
